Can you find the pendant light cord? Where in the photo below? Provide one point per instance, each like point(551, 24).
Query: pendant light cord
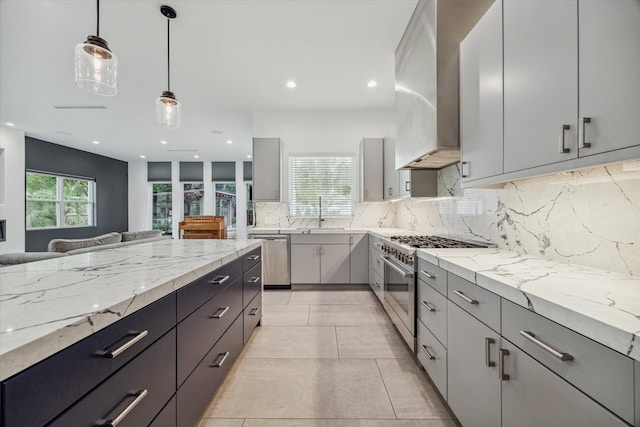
point(98, 18)
point(168, 58)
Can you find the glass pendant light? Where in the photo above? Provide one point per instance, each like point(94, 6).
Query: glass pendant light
point(167, 106)
point(96, 69)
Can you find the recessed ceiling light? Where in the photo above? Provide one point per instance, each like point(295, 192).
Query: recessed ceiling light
point(195, 156)
point(291, 84)
point(248, 156)
point(95, 142)
point(163, 142)
point(142, 156)
point(10, 124)
point(372, 83)
point(229, 141)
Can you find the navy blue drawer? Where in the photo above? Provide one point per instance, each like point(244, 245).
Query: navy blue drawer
point(252, 316)
point(43, 391)
point(251, 283)
point(166, 417)
point(252, 258)
point(152, 371)
point(199, 291)
point(195, 394)
point(202, 329)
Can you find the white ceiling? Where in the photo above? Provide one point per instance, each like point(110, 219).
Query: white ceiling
point(229, 58)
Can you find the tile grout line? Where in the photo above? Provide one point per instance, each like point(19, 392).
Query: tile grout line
point(386, 389)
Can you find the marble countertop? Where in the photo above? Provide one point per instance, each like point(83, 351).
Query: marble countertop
point(46, 306)
point(598, 304)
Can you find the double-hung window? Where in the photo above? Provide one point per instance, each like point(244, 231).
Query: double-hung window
point(55, 201)
point(330, 177)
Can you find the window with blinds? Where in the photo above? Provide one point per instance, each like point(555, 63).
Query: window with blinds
point(329, 177)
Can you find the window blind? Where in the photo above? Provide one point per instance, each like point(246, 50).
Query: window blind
point(223, 171)
point(329, 177)
point(247, 171)
point(159, 171)
point(190, 171)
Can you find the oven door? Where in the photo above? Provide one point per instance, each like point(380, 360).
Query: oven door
point(399, 297)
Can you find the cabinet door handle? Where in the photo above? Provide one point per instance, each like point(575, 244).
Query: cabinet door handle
point(559, 354)
point(377, 284)
point(583, 139)
point(219, 313)
point(429, 275)
point(501, 355)
point(140, 394)
point(254, 279)
point(426, 351)
point(407, 186)
point(219, 360)
point(465, 170)
point(376, 244)
point(428, 306)
point(561, 146)
point(277, 194)
point(254, 311)
point(219, 280)
point(253, 257)
point(466, 298)
point(118, 351)
point(487, 352)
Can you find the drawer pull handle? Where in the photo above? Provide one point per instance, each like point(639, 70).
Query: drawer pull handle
point(487, 352)
point(501, 375)
point(559, 354)
point(426, 351)
point(583, 140)
point(429, 275)
point(253, 257)
point(118, 351)
point(219, 314)
point(562, 149)
point(428, 306)
point(141, 394)
point(466, 298)
point(254, 279)
point(221, 357)
point(219, 280)
point(254, 311)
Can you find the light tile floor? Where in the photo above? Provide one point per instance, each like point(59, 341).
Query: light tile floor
point(325, 359)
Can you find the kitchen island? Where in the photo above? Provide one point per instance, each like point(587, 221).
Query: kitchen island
point(50, 307)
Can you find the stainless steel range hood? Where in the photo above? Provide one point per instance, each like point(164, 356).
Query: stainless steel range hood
point(427, 97)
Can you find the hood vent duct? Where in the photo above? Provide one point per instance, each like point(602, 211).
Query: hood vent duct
point(427, 95)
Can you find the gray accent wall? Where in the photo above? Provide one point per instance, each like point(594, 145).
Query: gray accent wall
point(112, 189)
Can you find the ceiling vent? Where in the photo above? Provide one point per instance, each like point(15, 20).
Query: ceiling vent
point(79, 107)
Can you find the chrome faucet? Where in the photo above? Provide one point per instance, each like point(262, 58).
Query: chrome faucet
point(320, 219)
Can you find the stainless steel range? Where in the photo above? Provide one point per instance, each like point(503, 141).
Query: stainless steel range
point(400, 266)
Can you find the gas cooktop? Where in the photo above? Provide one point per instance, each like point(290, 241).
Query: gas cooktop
point(436, 242)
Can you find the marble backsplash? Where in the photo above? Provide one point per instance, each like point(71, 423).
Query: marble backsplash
point(589, 217)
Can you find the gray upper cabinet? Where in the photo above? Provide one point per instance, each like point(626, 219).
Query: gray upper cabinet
point(266, 170)
point(371, 170)
point(391, 180)
point(481, 122)
point(609, 55)
point(540, 82)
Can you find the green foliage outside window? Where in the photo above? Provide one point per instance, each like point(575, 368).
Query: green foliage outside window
point(56, 201)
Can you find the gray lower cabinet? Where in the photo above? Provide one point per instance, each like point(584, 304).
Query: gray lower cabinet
point(533, 396)
point(266, 170)
point(320, 259)
point(359, 258)
point(473, 388)
point(376, 269)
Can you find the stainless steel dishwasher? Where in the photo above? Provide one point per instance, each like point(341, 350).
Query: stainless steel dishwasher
point(276, 260)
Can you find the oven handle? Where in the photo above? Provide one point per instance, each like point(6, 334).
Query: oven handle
point(398, 269)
